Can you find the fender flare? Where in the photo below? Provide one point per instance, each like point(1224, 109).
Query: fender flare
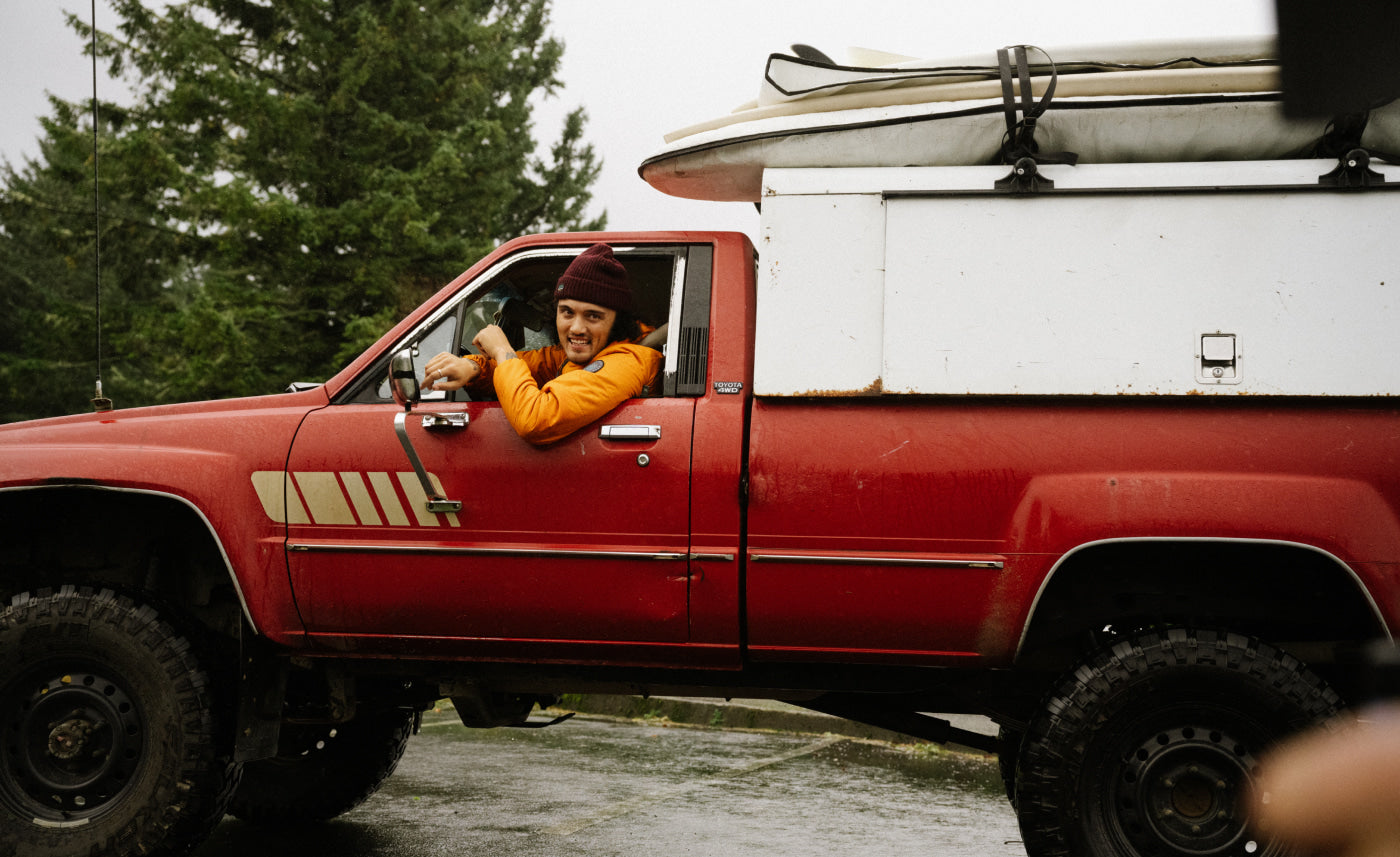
point(1079, 549)
point(85, 485)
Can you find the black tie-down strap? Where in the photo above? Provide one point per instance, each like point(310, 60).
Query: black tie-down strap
point(1018, 146)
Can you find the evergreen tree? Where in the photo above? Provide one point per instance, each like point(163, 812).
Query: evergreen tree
point(292, 178)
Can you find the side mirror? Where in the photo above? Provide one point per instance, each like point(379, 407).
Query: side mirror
point(403, 379)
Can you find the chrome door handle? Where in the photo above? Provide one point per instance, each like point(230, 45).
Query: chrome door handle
point(444, 421)
point(629, 432)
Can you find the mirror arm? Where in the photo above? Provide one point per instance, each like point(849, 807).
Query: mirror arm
point(403, 381)
point(436, 502)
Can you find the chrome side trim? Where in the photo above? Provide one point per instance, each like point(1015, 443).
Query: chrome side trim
point(435, 550)
point(875, 560)
point(713, 557)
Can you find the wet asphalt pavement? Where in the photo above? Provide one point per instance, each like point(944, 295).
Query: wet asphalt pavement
point(628, 789)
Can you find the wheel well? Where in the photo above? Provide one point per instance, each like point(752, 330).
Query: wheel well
point(1290, 595)
point(150, 546)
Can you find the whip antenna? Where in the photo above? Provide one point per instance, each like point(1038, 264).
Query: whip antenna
point(99, 401)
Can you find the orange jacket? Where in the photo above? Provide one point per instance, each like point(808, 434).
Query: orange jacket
point(546, 398)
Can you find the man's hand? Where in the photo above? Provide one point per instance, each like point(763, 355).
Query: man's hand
point(492, 342)
point(449, 372)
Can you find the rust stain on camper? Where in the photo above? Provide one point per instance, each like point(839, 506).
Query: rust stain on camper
point(874, 388)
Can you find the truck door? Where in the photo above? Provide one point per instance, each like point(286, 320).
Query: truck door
point(579, 545)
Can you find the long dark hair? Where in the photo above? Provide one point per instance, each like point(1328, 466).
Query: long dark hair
point(625, 328)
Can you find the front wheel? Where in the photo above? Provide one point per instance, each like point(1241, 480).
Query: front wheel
point(1150, 746)
point(108, 732)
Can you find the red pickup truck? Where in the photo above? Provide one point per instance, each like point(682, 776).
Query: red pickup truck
point(1113, 464)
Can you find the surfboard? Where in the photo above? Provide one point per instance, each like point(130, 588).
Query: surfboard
point(1139, 102)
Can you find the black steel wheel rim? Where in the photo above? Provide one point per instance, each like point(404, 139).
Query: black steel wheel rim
point(72, 743)
point(1178, 792)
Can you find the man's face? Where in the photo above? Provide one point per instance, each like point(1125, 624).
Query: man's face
point(583, 329)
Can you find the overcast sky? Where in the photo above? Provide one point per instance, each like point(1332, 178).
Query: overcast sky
point(642, 68)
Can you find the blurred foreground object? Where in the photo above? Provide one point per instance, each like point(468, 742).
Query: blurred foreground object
point(1339, 57)
point(1337, 789)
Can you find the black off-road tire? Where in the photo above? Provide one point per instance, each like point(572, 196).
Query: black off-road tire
point(323, 771)
point(109, 734)
point(1150, 746)
point(1009, 741)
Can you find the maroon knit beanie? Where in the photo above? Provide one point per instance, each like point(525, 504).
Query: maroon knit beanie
point(596, 277)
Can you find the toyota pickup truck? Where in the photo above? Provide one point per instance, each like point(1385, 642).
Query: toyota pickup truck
point(1113, 464)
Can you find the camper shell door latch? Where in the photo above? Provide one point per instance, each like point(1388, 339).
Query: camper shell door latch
point(1217, 360)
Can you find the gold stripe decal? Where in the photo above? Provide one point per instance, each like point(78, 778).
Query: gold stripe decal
point(347, 499)
point(388, 499)
point(324, 498)
point(359, 498)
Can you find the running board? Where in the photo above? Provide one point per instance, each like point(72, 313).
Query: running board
point(911, 723)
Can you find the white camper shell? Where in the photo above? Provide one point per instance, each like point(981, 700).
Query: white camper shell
point(1247, 278)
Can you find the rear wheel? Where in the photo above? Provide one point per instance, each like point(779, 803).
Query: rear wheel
point(108, 733)
point(1151, 745)
point(321, 772)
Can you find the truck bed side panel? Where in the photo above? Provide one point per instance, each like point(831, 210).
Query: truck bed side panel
point(896, 530)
